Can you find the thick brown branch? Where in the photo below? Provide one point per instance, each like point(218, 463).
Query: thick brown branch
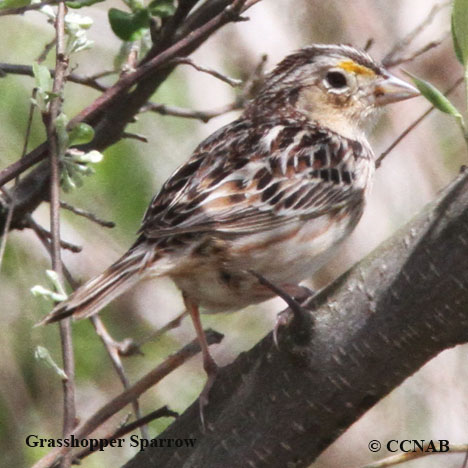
point(374, 326)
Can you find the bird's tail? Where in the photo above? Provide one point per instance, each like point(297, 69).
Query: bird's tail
point(92, 296)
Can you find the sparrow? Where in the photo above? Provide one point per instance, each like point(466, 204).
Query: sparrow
point(275, 191)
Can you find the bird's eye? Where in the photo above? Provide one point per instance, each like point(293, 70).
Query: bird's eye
point(336, 79)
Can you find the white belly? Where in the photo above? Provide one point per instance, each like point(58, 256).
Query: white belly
point(285, 256)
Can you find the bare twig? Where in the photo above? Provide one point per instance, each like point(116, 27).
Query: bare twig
point(113, 348)
point(40, 231)
point(164, 58)
point(21, 10)
point(414, 124)
point(126, 397)
point(405, 457)
point(403, 44)
point(135, 136)
point(26, 70)
point(163, 412)
point(8, 196)
point(86, 214)
point(114, 354)
point(61, 65)
point(204, 116)
point(226, 79)
point(47, 235)
point(256, 78)
point(48, 47)
point(248, 89)
point(419, 52)
point(161, 331)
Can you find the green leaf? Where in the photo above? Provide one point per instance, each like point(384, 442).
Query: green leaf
point(456, 47)
point(434, 96)
point(42, 77)
point(460, 29)
point(43, 355)
point(13, 3)
point(81, 134)
point(82, 3)
point(129, 26)
point(162, 8)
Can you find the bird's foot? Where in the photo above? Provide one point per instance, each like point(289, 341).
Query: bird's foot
point(211, 370)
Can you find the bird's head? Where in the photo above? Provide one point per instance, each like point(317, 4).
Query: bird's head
point(338, 86)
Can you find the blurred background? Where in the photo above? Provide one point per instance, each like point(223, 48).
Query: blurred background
point(432, 404)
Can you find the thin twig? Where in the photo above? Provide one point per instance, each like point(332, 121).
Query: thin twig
point(48, 47)
point(21, 10)
point(248, 90)
point(63, 244)
point(410, 37)
point(256, 78)
point(113, 351)
point(414, 124)
point(145, 69)
point(174, 323)
point(135, 136)
point(113, 348)
point(405, 457)
point(204, 116)
point(226, 79)
point(163, 412)
point(61, 65)
point(10, 196)
point(86, 214)
point(418, 53)
point(183, 45)
point(26, 70)
point(126, 397)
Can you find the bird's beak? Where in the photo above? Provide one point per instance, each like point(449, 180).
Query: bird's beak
point(391, 89)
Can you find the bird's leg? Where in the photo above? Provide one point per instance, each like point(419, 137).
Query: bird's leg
point(295, 296)
point(209, 364)
point(299, 295)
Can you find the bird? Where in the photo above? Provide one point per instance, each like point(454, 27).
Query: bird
point(274, 192)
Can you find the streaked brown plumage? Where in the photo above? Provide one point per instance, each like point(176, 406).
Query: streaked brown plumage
point(274, 191)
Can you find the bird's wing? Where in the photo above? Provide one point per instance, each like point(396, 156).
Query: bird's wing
point(245, 179)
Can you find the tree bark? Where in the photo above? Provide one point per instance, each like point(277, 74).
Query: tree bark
point(360, 338)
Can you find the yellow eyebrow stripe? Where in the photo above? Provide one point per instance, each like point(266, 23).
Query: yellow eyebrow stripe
point(350, 66)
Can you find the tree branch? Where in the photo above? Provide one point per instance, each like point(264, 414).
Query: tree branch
point(129, 395)
point(26, 70)
point(374, 326)
point(61, 65)
point(120, 103)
